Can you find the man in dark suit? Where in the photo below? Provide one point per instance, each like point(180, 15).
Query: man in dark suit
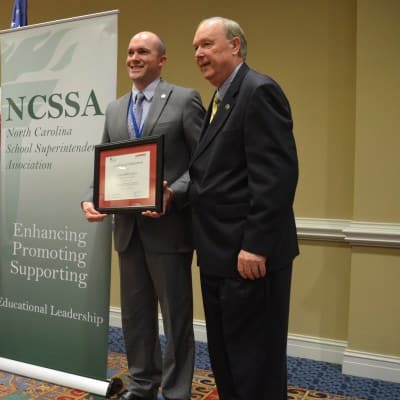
point(155, 250)
point(244, 175)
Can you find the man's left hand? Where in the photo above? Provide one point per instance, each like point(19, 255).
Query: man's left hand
point(167, 198)
point(251, 266)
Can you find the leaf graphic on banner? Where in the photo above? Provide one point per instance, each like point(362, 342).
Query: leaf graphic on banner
point(66, 58)
point(39, 51)
point(7, 51)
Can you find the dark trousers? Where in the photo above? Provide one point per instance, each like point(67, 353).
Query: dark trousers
point(247, 327)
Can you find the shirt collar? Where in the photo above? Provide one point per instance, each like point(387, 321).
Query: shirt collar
point(225, 86)
point(148, 90)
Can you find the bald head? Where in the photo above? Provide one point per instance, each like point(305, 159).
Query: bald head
point(153, 38)
point(145, 59)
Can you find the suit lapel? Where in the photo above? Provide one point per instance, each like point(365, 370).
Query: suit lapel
point(122, 118)
point(160, 98)
point(210, 131)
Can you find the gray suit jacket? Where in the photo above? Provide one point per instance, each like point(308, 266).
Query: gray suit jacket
point(176, 113)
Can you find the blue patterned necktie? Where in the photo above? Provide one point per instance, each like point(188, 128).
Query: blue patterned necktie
point(139, 108)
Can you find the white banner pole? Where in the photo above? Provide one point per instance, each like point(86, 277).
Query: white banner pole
point(101, 388)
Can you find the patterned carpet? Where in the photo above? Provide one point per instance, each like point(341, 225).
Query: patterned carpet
point(14, 387)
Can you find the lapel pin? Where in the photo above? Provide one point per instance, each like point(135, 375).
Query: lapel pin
point(227, 106)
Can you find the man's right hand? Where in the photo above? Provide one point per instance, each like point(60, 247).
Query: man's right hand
point(91, 214)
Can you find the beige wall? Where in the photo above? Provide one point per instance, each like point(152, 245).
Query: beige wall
point(376, 188)
point(374, 307)
point(320, 291)
point(374, 317)
point(338, 61)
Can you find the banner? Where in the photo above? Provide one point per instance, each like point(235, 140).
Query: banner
point(57, 79)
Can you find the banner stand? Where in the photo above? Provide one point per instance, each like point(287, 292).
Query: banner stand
point(54, 265)
point(102, 388)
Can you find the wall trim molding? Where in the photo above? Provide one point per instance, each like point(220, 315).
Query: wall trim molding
point(369, 365)
point(314, 348)
point(199, 326)
point(355, 233)
point(115, 317)
point(362, 364)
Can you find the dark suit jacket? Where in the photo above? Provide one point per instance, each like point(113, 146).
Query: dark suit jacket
point(244, 174)
point(176, 113)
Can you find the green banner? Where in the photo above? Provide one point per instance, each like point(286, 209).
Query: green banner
point(56, 81)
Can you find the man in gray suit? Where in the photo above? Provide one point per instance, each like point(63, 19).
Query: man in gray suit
point(155, 249)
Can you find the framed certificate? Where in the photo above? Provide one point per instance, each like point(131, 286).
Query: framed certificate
point(128, 175)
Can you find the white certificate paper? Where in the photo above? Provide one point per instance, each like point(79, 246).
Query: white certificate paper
point(127, 176)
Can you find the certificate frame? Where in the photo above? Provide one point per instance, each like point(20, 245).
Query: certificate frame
point(128, 176)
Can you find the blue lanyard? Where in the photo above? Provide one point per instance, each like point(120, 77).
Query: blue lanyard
point(136, 128)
